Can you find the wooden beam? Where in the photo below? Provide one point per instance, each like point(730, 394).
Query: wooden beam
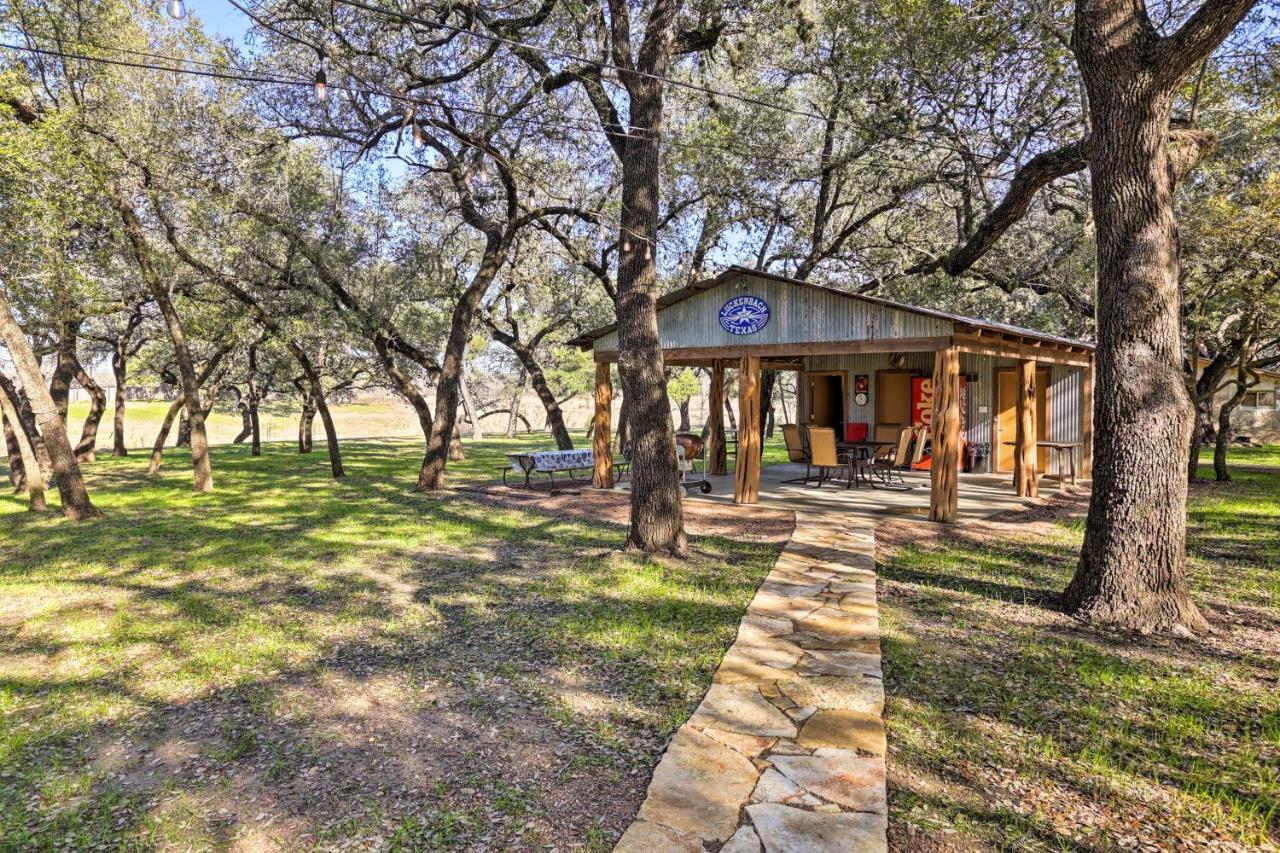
point(601, 440)
point(1086, 426)
point(944, 470)
point(717, 459)
point(1025, 483)
point(989, 344)
point(674, 354)
point(746, 474)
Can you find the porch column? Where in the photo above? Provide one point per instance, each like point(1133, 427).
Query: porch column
point(1025, 483)
point(746, 479)
point(717, 461)
point(944, 471)
point(1086, 430)
point(600, 437)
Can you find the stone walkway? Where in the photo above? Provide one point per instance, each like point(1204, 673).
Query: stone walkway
point(786, 752)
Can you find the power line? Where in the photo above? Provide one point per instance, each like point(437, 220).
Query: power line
point(226, 72)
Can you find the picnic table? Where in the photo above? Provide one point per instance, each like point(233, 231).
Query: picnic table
point(549, 462)
point(1062, 449)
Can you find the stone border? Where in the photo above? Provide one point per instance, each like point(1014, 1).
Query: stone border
point(786, 752)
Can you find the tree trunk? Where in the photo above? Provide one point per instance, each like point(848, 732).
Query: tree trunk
point(119, 366)
point(305, 440)
point(768, 381)
point(255, 448)
point(657, 515)
point(624, 432)
point(330, 432)
point(683, 408)
point(31, 480)
point(470, 409)
point(87, 449)
point(64, 368)
point(444, 425)
point(75, 497)
point(1131, 570)
point(184, 431)
point(728, 408)
point(202, 469)
point(27, 419)
point(17, 472)
point(246, 422)
point(514, 411)
point(1222, 441)
point(157, 449)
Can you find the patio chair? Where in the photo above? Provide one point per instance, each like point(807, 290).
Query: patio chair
point(793, 437)
point(825, 456)
point(895, 459)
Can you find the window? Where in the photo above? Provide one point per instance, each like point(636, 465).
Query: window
point(1259, 400)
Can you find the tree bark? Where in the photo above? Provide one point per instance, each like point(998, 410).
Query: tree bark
point(1131, 569)
point(31, 480)
point(513, 413)
point(471, 410)
point(120, 368)
point(87, 449)
point(768, 380)
point(1222, 441)
point(657, 515)
point(683, 408)
point(64, 367)
point(305, 421)
point(255, 432)
point(202, 469)
point(75, 497)
point(1204, 388)
point(157, 449)
point(17, 472)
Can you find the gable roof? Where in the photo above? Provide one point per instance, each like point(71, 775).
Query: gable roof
point(587, 339)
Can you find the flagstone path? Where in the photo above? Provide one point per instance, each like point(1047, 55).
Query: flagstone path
point(786, 752)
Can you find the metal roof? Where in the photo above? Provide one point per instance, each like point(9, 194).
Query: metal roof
point(586, 339)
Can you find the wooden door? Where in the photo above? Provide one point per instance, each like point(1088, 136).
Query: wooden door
point(893, 397)
point(1006, 424)
point(826, 399)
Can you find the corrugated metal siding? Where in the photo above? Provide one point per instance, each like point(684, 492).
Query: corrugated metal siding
point(796, 315)
point(1066, 400)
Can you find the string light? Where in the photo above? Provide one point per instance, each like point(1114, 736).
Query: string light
point(418, 142)
point(322, 85)
point(177, 9)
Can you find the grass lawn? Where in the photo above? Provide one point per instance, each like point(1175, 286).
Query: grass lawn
point(1012, 726)
point(1261, 454)
point(278, 421)
point(297, 662)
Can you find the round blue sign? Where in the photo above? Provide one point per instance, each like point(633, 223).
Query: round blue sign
point(744, 315)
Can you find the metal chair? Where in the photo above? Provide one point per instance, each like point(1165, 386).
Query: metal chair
point(826, 456)
point(797, 451)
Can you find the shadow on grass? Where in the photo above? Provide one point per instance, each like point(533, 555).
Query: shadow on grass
point(1044, 729)
point(328, 661)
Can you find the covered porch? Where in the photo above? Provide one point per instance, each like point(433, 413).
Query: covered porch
point(750, 322)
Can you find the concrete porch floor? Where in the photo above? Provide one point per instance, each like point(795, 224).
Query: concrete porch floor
point(981, 495)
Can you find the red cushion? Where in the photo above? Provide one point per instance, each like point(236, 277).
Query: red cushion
point(855, 432)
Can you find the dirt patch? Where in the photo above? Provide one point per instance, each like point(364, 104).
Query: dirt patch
point(701, 518)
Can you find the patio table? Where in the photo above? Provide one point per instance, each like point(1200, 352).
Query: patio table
point(1064, 450)
point(864, 451)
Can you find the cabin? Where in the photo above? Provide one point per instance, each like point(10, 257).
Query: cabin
point(994, 397)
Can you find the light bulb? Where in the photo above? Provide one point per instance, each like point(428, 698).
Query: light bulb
point(322, 83)
point(177, 9)
point(418, 142)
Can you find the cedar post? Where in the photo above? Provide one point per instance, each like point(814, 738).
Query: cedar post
point(600, 437)
point(1086, 430)
point(717, 461)
point(1024, 448)
point(944, 471)
point(746, 479)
